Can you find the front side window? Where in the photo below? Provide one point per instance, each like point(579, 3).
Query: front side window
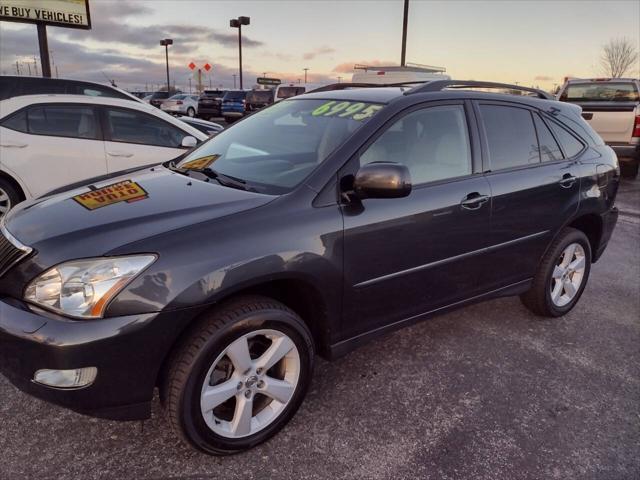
point(569, 143)
point(511, 137)
point(433, 143)
point(137, 127)
point(63, 121)
point(278, 147)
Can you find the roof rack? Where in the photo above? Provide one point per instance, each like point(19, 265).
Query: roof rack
point(438, 85)
point(345, 85)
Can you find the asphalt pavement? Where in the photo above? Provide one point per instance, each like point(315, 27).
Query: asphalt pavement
point(488, 392)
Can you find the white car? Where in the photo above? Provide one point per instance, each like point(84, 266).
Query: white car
point(181, 104)
point(49, 141)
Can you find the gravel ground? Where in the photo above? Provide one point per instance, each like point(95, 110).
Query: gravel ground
point(487, 392)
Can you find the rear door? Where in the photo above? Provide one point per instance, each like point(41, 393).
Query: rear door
point(534, 183)
point(408, 256)
point(51, 145)
point(134, 138)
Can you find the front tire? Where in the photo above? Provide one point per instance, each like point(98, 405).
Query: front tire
point(191, 112)
point(9, 197)
point(239, 376)
point(562, 275)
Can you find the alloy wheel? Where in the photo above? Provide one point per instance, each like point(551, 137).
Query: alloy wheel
point(250, 383)
point(5, 202)
point(568, 275)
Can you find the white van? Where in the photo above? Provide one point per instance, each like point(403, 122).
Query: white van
point(288, 90)
point(412, 72)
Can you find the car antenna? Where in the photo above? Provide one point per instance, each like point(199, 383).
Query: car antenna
point(111, 81)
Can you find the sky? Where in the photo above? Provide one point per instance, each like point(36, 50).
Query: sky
point(529, 42)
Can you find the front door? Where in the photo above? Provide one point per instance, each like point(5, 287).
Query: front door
point(135, 139)
point(408, 256)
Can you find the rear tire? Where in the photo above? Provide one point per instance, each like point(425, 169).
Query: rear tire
point(562, 275)
point(211, 388)
point(629, 169)
point(9, 196)
point(191, 112)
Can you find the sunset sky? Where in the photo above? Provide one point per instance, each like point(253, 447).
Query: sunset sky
point(533, 43)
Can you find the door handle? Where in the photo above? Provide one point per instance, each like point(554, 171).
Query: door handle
point(120, 154)
point(474, 201)
point(567, 180)
point(13, 145)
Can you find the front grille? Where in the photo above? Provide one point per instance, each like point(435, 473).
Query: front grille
point(10, 254)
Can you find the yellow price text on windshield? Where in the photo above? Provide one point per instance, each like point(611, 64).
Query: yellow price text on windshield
point(358, 111)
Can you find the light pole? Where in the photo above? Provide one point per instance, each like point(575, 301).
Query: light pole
point(237, 23)
point(234, 80)
point(305, 74)
point(165, 43)
point(405, 20)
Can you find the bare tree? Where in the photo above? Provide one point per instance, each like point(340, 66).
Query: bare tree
point(618, 57)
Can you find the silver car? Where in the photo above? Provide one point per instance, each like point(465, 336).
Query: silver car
point(181, 104)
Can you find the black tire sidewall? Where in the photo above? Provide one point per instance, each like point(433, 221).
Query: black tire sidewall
point(191, 109)
point(10, 190)
point(573, 236)
point(193, 423)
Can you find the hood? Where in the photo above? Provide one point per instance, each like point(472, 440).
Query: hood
point(98, 218)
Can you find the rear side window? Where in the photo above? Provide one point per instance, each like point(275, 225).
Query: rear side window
point(17, 122)
point(549, 148)
point(570, 144)
point(511, 136)
point(130, 126)
point(63, 121)
point(235, 96)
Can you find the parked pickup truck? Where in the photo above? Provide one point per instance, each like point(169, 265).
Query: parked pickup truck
point(612, 107)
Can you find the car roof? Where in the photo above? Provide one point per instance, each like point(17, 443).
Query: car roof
point(10, 105)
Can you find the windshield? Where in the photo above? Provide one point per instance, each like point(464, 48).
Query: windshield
point(275, 149)
point(234, 95)
point(600, 92)
point(260, 96)
point(288, 92)
point(213, 93)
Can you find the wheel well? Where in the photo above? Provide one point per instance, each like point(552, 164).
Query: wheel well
point(299, 296)
point(591, 226)
point(14, 184)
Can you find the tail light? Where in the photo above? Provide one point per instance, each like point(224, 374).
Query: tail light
point(179, 102)
point(636, 127)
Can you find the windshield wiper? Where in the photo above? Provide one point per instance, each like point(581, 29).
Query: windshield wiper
point(226, 180)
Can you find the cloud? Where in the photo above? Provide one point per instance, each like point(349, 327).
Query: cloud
point(544, 78)
point(347, 67)
point(318, 51)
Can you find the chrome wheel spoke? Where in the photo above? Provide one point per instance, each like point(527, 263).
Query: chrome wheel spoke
point(570, 289)
point(558, 272)
point(218, 394)
point(556, 292)
point(279, 390)
point(569, 252)
point(241, 423)
point(577, 264)
point(278, 349)
point(238, 353)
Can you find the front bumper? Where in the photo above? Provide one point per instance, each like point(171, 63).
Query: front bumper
point(128, 352)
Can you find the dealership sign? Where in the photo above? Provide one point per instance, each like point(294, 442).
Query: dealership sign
point(60, 13)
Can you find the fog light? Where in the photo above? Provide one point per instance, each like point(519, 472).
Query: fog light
point(76, 378)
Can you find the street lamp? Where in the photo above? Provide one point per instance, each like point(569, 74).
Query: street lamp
point(305, 74)
point(237, 23)
point(165, 43)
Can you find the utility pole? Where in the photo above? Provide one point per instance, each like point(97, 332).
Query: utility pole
point(403, 58)
point(189, 84)
point(44, 51)
point(234, 80)
point(17, 67)
point(35, 66)
point(339, 79)
point(305, 74)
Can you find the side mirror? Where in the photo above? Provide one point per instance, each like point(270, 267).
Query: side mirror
point(382, 180)
point(189, 141)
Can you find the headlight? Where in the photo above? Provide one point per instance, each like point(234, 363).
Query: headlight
point(83, 288)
